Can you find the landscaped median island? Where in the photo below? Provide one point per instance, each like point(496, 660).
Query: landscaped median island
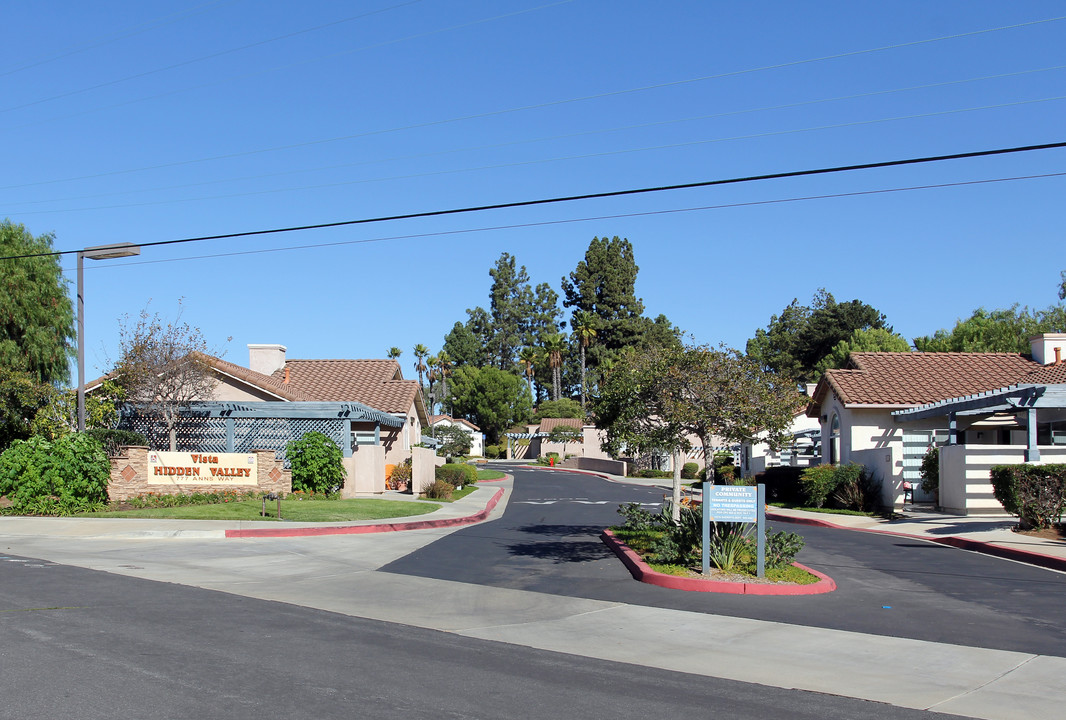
point(661, 552)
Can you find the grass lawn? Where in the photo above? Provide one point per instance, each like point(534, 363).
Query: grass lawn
point(487, 474)
point(827, 511)
point(295, 510)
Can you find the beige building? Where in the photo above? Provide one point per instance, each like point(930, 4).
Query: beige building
point(884, 410)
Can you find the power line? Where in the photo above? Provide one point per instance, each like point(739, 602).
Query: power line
point(522, 108)
point(592, 196)
point(543, 223)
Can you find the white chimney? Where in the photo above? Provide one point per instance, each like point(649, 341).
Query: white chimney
point(1044, 347)
point(266, 359)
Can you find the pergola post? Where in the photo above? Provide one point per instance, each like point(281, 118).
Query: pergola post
point(1032, 452)
point(953, 428)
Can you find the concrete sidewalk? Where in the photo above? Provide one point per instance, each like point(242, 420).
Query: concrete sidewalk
point(475, 507)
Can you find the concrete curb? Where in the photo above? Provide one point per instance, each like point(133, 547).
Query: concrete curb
point(640, 571)
point(1024, 556)
point(378, 528)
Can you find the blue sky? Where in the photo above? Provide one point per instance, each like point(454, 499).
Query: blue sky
point(143, 122)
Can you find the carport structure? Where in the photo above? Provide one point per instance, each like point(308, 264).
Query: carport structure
point(218, 426)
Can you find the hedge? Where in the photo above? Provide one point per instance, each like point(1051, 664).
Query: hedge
point(1035, 493)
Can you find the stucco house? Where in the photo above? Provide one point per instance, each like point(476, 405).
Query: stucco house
point(884, 410)
point(382, 408)
point(477, 438)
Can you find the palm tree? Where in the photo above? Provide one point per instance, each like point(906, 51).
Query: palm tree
point(583, 324)
point(395, 353)
point(432, 373)
point(527, 356)
point(420, 351)
point(554, 345)
point(444, 369)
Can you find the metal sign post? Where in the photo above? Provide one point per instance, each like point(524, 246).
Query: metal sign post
point(735, 503)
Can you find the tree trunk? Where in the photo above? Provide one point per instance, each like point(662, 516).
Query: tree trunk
point(172, 433)
point(557, 382)
point(708, 460)
point(582, 377)
point(675, 505)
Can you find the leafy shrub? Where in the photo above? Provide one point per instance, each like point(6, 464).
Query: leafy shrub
point(856, 489)
point(60, 477)
point(636, 517)
point(725, 475)
point(401, 474)
point(456, 474)
point(493, 452)
point(157, 500)
point(647, 473)
point(819, 483)
point(316, 463)
point(730, 544)
point(689, 471)
point(439, 490)
point(454, 441)
point(1035, 493)
point(113, 440)
point(931, 470)
point(782, 548)
point(561, 408)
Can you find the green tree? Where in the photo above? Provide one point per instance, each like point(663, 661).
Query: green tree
point(59, 416)
point(554, 346)
point(565, 434)
point(527, 358)
point(453, 441)
point(584, 326)
point(511, 306)
point(795, 342)
point(21, 397)
point(463, 345)
point(421, 353)
point(561, 408)
point(395, 353)
point(36, 314)
point(491, 398)
point(1006, 330)
point(873, 340)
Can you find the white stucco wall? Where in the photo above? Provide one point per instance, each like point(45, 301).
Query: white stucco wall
point(365, 472)
point(965, 479)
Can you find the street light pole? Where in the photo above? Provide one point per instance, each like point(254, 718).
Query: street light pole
point(100, 252)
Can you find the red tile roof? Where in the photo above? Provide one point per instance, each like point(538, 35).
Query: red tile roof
point(264, 382)
point(549, 424)
point(377, 383)
point(887, 378)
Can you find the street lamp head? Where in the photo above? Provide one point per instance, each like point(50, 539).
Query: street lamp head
point(109, 252)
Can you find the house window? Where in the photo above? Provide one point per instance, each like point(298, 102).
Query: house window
point(834, 440)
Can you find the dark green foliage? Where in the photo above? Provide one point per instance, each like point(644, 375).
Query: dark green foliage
point(561, 408)
point(453, 440)
point(636, 517)
point(113, 440)
point(60, 477)
point(153, 500)
point(492, 398)
point(797, 340)
point(457, 474)
point(648, 473)
point(931, 470)
point(782, 484)
point(782, 548)
point(1035, 493)
point(36, 313)
point(841, 486)
point(21, 397)
point(1006, 330)
point(316, 462)
point(492, 452)
point(689, 471)
point(401, 474)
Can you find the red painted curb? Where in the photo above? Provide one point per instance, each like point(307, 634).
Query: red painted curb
point(640, 571)
point(1024, 556)
point(364, 529)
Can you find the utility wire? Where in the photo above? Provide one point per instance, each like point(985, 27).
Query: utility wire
point(592, 196)
point(569, 221)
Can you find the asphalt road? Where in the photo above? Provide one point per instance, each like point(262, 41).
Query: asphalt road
point(547, 541)
point(88, 645)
